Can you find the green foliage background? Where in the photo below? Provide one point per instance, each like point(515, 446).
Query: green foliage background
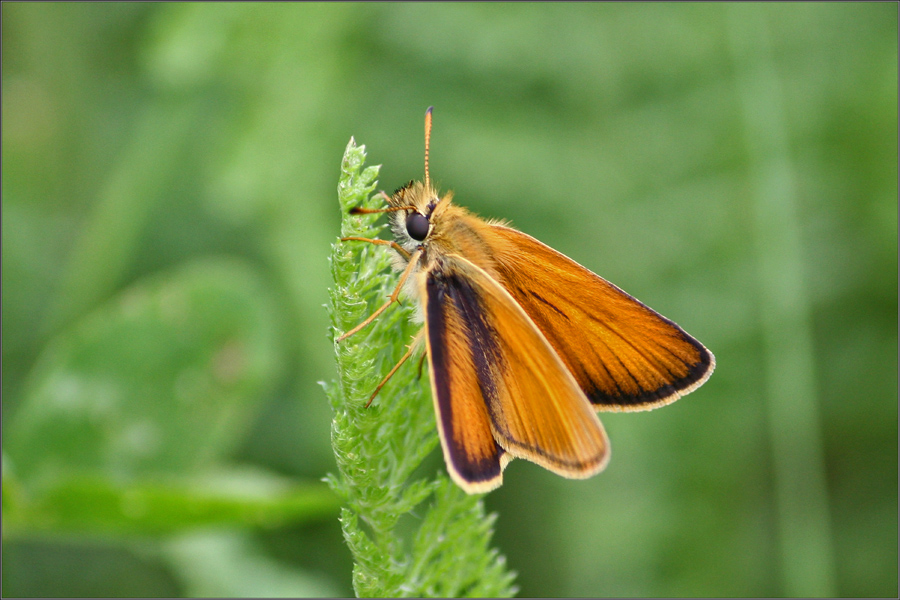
point(169, 204)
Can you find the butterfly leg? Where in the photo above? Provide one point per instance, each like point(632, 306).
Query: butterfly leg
point(377, 242)
point(394, 297)
point(412, 348)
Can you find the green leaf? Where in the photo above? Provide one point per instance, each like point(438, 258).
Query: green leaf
point(379, 448)
point(129, 413)
point(164, 379)
point(94, 504)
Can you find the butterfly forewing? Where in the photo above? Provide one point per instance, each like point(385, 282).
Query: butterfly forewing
point(473, 457)
point(623, 355)
point(522, 391)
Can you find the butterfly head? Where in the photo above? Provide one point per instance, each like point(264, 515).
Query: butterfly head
point(417, 209)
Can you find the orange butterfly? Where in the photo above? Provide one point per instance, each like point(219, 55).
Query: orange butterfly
point(524, 345)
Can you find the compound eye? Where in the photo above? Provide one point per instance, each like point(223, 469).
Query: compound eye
point(417, 226)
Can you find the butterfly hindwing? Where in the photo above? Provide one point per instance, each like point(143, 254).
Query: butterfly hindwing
point(496, 379)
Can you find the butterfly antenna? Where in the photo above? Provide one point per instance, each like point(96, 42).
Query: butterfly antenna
point(427, 142)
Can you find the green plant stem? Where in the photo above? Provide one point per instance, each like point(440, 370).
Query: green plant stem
point(377, 449)
point(807, 554)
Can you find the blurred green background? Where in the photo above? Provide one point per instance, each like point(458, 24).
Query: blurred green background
point(169, 202)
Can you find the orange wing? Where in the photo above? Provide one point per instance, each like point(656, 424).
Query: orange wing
point(498, 385)
point(624, 355)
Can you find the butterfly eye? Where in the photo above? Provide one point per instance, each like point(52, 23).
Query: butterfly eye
point(417, 226)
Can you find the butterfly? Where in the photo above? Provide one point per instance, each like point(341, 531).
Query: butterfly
point(524, 344)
